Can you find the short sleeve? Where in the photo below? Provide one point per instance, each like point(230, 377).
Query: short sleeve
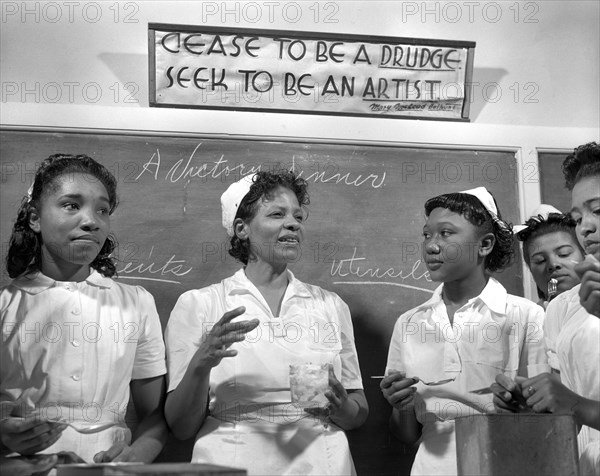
point(184, 332)
point(150, 351)
point(351, 377)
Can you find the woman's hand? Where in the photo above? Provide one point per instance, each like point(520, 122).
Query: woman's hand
point(347, 409)
point(119, 452)
point(546, 393)
point(339, 405)
point(27, 465)
point(29, 435)
point(215, 344)
point(508, 394)
point(589, 292)
point(398, 390)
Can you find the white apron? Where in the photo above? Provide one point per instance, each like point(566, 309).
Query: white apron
point(252, 422)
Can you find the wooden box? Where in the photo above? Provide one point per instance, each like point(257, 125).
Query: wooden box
point(517, 444)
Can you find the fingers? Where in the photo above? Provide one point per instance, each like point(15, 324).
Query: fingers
point(29, 435)
point(235, 332)
point(110, 454)
point(590, 263)
point(126, 455)
point(334, 383)
point(338, 394)
point(230, 315)
point(402, 397)
point(39, 443)
point(38, 464)
point(393, 376)
point(505, 382)
point(19, 425)
point(398, 390)
point(589, 292)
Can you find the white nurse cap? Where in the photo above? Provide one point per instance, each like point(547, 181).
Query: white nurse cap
point(485, 198)
point(231, 199)
point(542, 211)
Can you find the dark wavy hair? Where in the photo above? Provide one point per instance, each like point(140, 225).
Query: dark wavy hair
point(475, 213)
point(540, 226)
point(24, 250)
point(583, 162)
point(263, 186)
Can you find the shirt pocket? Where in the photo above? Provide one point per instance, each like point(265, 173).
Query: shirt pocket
point(498, 347)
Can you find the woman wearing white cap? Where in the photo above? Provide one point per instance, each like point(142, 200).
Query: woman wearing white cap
point(551, 251)
point(229, 380)
point(446, 352)
point(572, 326)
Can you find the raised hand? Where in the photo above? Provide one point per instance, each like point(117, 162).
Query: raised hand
point(589, 292)
point(215, 344)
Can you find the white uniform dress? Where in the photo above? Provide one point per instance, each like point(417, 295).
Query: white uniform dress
point(493, 333)
point(252, 422)
point(70, 350)
point(573, 340)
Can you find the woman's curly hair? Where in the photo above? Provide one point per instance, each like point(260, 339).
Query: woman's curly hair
point(540, 226)
point(475, 213)
point(583, 162)
point(25, 246)
point(263, 186)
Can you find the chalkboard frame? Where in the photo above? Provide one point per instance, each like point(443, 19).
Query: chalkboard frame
point(374, 450)
point(552, 183)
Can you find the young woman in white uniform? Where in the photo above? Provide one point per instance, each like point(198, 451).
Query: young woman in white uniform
point(229, 379)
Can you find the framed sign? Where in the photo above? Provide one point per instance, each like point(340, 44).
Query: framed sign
point(307, 72)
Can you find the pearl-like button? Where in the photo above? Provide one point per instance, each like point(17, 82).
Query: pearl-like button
point(76, 311)
point(75, 343)
point(75, 377)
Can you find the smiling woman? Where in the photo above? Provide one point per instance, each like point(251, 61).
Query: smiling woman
point(229, 384)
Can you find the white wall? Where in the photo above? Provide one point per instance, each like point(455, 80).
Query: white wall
point(72, 64)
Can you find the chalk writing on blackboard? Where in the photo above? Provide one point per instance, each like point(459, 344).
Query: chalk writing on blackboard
point(194, 168)
point(157, 269)
point(352, 267)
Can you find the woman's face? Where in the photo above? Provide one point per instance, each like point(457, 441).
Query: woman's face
point(450, 246)
point(277, 229)
point(585, 210)
point(73, 220)
point(554, 255)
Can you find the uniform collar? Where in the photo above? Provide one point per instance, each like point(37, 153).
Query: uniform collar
point(494, 296)
point(35, 283)
point(240, 284)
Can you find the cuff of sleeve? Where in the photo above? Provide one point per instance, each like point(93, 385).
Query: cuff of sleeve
point(553, 360)
point(352, 384)
point(149, 370)
point(536, 369)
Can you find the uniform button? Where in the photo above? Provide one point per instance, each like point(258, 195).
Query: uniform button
point(75, 343)
point(76, 311)
point(75, 377)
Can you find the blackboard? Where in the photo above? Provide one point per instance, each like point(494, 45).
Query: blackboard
point(552, 181)
point(363, 232)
